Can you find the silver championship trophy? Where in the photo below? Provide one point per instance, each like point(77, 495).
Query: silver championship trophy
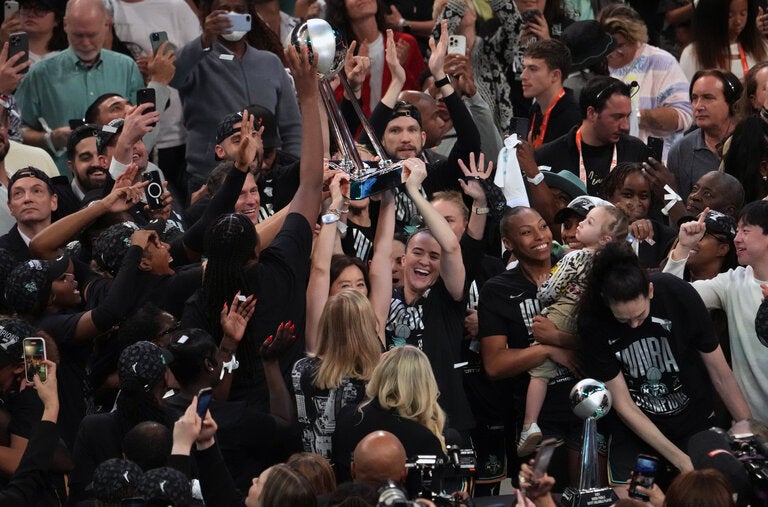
point(590, 400)
point(327, 46)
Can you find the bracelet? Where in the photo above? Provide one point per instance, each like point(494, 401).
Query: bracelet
point(229, 366)
point(336, 211)
point(49, 142)
point(439, 83)
point(481, 211)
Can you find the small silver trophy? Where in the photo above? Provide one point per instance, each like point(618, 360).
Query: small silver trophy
point(328, 47)
point(590, 400)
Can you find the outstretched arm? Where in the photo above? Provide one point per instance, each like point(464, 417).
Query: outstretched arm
point(451, 265)
point(46, 243)
point(639, 423)
point(380, 270)
point(307, 198)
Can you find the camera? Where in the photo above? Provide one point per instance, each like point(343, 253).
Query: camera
point(435, 478)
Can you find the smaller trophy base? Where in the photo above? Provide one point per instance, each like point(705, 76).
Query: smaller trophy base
point(595, 497)
point(373, 184)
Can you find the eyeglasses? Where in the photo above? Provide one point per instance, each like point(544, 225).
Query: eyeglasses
point(634, 87)
point(37, 10)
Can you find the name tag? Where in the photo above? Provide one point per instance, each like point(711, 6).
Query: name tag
point(227, 57)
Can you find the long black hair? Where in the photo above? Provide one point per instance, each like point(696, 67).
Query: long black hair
point(710, 34)
point(748, 150)
point(230, 244)
point(338, 16)
point(616, 276)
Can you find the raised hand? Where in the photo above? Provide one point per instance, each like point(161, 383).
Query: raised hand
point(277, 343)
point(356, 68)
point(215, 24)
point(235, 317)
point(439, 50)
point(413, 175)
point(476, 172)
point(251, 145)
point(304, 71)
point(161, 66)
point(393, 61)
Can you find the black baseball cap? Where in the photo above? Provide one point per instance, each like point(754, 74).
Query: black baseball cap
point(29, 172)
point(579, 207)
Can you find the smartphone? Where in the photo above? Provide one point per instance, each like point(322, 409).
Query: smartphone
point(145, 95)
point(154, 190)
point(655, 148)
point(542, 459)
point(204, 396)
point(457, 45)
point(76, 122)
point(34, 355)
point(19, 43)
point(531, 15)
point(240, 22)
point(520, 126)
point(644, 474)
point(156, 39)
point(11, 8)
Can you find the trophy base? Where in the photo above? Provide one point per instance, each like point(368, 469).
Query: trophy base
point(368, 185)
point(595, 497)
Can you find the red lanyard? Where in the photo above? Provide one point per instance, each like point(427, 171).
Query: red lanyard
point(539, 139)
point(582, 169)
point(743, 58)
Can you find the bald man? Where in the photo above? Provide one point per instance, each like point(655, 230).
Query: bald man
point(716, 190)
point(379, 457)
point(60, 88)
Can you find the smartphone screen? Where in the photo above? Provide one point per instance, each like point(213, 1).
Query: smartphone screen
point(34, 355)
point(203, 400)
point(644, 474)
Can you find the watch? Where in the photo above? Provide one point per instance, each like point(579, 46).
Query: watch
point(481, 211)
point(330, 218)
point(536, 179)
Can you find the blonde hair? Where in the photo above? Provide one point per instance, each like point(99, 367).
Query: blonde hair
point(348, 340)
point(403, 380)
point(625, 21)
point(453, 197)
point(618, 227)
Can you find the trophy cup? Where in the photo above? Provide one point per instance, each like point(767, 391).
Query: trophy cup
point(327, 46)
point(590, 400)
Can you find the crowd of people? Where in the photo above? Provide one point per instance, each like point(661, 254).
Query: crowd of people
point(582, 194)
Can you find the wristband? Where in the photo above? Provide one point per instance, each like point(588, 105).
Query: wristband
point(481, 211)
point(49, 142)
point(439, 83)
point(536, 179)
point(342, 227)
point(671, 197)
point(330, 218)
point(229, 366)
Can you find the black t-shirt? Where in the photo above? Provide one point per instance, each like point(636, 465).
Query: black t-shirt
point(660, 359)
point(358, 242)
point(279, 282)
point(434, 324)
point(562, 154)
point(507, 306)
point(278, 185)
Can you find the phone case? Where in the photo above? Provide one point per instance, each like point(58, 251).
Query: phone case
point(11, 7)
point(19, 43)
point(457, 44)
point(240, 22)
point(154, 190)
point(156, 39)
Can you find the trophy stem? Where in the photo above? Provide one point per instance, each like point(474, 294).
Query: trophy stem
point(378, 148)
point(588, 477)
point(340, 128)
